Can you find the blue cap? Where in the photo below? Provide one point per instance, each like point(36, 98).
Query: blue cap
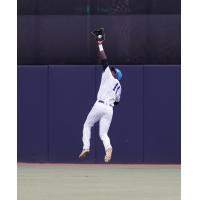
point(119, 74)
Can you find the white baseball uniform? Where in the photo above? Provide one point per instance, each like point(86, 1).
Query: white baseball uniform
point(102, 111)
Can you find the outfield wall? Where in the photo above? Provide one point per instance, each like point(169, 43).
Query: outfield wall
point(54, 100)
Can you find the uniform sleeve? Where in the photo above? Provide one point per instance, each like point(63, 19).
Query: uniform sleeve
point(107, 74)
point(118, 94)
point(104, 63)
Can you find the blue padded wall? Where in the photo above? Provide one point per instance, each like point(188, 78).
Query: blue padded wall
point(71, 96)
point(53, 103)
point(162, 114)
point(32, 114)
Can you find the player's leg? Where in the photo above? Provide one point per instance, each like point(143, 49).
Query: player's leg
point(91, 119)
point(104, 126)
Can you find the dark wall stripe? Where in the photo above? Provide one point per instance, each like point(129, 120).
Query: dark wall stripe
point(130, 39)
point(102, 7)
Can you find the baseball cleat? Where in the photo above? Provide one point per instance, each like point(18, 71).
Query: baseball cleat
point(84, 153)
point(108, 155)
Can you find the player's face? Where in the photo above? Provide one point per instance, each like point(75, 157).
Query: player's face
point(114, 73)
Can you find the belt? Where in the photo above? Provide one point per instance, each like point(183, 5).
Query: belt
point(100, 101)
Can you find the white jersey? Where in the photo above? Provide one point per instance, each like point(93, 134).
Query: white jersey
point(110, 88)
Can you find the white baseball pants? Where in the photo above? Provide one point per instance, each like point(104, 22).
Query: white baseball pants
point(102, 113)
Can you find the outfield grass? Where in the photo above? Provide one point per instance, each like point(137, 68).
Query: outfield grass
point(98, 182)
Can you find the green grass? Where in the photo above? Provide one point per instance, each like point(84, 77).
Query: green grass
point(98, 182)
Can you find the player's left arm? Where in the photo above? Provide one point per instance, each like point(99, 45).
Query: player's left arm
point(103, 56)
point(118, 95)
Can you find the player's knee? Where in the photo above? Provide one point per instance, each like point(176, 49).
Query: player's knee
point(103, 137)
point(87, 125)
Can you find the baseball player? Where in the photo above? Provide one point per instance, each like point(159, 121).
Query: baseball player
point(108, 96)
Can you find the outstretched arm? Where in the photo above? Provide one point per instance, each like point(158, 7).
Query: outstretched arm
point(102, 55)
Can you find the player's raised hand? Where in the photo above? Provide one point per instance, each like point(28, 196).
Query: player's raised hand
point(99, 35)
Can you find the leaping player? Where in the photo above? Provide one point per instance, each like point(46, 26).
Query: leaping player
point(108, 95)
